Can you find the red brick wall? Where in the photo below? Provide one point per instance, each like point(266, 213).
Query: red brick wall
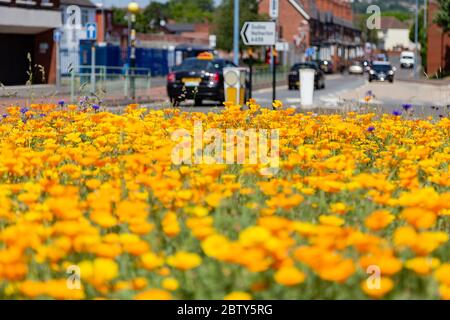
point(289, 20)
point(100, 19)
point(46, 58)
point(438, 44)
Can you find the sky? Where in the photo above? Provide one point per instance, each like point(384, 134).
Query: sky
point(124, 3)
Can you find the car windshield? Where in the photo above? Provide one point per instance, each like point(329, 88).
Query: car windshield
point(199, 65)
point(408, 57)
point(381, 67)
point(299, 66)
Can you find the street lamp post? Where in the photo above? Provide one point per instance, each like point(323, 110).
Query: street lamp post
point(133, 8)
point(416, 39)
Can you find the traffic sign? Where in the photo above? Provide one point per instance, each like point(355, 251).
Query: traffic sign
point(57, 35)
point(282, 46)
point(91, 31)
point(310, 52)
point(213, 41)
point(273, 9)
point(259, 33)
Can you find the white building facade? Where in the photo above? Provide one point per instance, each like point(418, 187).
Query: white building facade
point(74, 20)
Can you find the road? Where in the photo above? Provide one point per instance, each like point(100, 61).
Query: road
point(345, 92)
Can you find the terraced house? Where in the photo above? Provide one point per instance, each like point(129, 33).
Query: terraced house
point(26, 39)
point(325, 25)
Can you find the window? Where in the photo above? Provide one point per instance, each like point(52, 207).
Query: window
point(84, 16)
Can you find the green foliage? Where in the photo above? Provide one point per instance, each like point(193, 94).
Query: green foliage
point(224, 20)
point(443, 15)
point(189, 11)
point(360, 6)
point(400, 15)
point(181, 11)
point(154, 13)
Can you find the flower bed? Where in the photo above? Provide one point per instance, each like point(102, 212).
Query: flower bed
point(92, 206)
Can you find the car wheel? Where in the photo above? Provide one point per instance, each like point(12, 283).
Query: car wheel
point(370, 80)
point(175, 102)
point(198, 102)
point(391, 80)
point(323, 85)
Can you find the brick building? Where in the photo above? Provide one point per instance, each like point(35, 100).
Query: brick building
point(438, 58)
point(325, 25)
point(26, 28)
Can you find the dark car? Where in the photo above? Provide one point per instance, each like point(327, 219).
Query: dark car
point(294, 75)
point(198, 79)
point(381, 71)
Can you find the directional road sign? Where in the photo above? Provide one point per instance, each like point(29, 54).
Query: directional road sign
point(91, 31)
point(57, 35)
point(259, 33)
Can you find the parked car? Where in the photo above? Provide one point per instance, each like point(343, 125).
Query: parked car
point(407, 59)
point(294, 75)
point(356, 67)
point(381, 71)
point(199, 79)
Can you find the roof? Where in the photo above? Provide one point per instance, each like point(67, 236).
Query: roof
point(299, 7)
point(81, 3)
point(392, 23)
point(180, 27)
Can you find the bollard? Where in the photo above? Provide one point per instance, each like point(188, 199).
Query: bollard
point(307, 86)
point(234, 85)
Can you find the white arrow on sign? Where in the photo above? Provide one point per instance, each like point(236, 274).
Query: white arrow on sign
point(91, 31)
point(259, 33)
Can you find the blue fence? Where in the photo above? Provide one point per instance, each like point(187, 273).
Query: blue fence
point(156, 60)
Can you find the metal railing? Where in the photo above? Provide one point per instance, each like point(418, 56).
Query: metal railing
point(263, 74)
point(114, 81)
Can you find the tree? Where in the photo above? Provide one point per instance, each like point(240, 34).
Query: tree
point(190, 11)
point(443, 15)
point(154, 13)
point(120, 17)
point(223, 17)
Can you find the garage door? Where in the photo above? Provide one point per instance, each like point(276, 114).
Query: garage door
point(14, 49)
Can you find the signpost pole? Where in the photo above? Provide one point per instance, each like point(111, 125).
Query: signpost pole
point(93, 67)
point(416, 39)
point(260, 33)
point(57, 39)
point(274, 75)
point(250, 87)
point(273, 12)
point(236, 33)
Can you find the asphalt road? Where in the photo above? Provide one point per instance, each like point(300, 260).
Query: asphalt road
point(345, 92)
point(335, 84)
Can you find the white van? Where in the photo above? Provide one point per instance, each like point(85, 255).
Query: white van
point(407, 59)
